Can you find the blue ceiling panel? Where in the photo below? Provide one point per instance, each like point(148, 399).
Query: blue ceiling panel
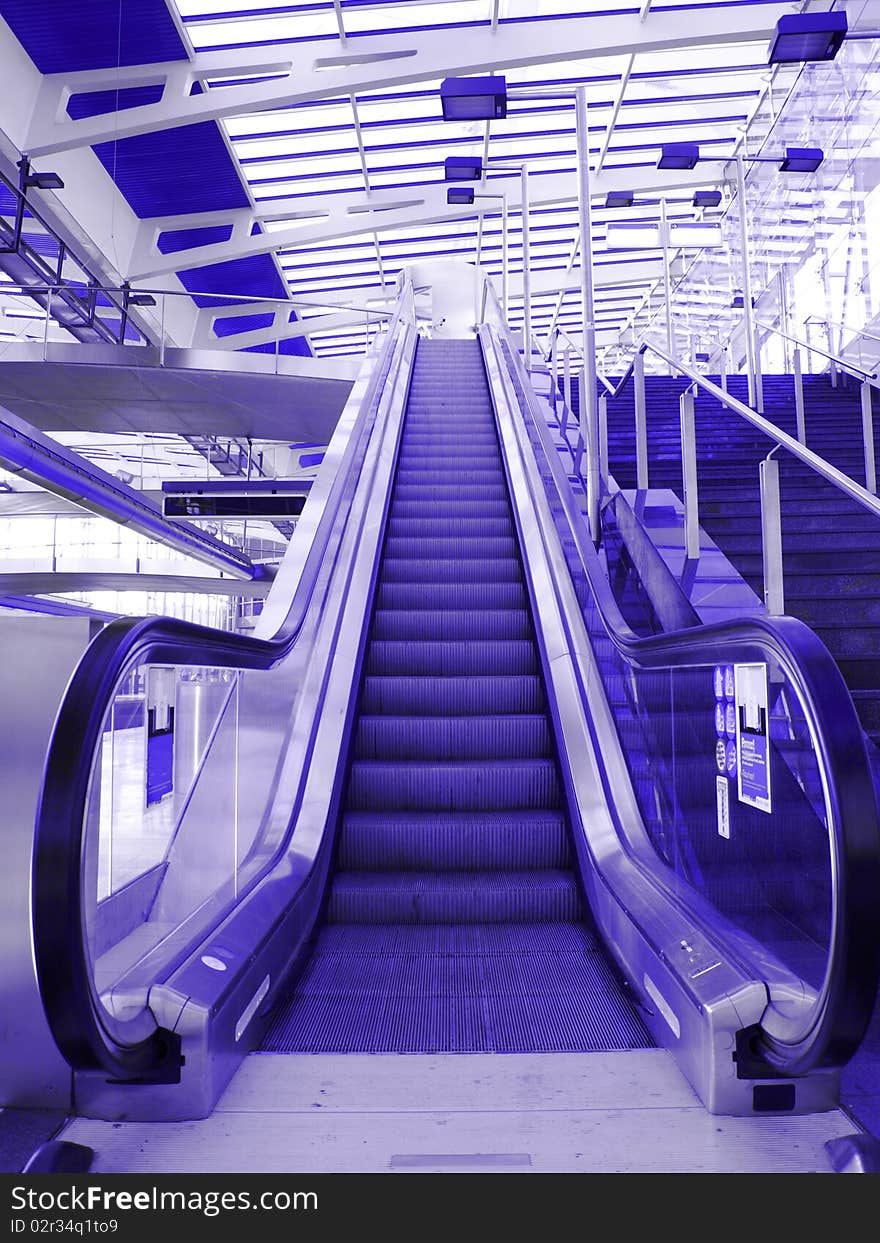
point(98, 103)
point(229, 325)
point(172, 240)
point(172, 172)
point(61, 35)
point(296, 346)
point(253, 277)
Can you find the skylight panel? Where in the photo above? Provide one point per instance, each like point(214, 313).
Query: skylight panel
point(394, 16)
point(422, 105)
point(310, 187)
point(259, 29)
point(290, 146)
point(328, 113)
point(306, 166)
point(678, 62)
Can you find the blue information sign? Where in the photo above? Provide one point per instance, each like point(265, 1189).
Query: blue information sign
point(753, 736)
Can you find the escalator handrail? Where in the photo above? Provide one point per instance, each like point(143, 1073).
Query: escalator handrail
point(846, 999)
point(60, 950)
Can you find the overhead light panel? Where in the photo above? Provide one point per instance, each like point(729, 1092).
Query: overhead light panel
point(679, 155)
point(801, 160)
point(619, 198)
point(141, 299)
point(707, 198)
point(473, 99)
point(463, 168)
point(43, 181)
point(459, 194)
point(807, 36)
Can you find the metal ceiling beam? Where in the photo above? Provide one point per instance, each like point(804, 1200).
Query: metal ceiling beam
point(359, 213)
point(305, 73)
point(281, 330)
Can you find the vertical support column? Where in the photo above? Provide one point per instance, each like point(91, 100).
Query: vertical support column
point(603, 442)
point(504, 258)
point(566, 382)
point(588, 388)
point(771, 537)
point(46, 325)
point(554, 371)
point(868, 438)
point(799, 396)
point(526, 274)
point(667, 283)
point(641, 421)
point(162, 333)
point(723, 369)
point(689, 474)
point(747, 282)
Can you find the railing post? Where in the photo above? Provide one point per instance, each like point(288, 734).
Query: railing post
point(747, 281)
point(799, 397)
point(868, 437)
point(162, 333)
point(566, 382)
point(723, 369)
point(526, 270)
point(759, 376)
point(667, 283)
point(771, 537)
point(46, 327)
point(603, 443)
point(588, 392)
point(689, 474)
point(554, 370)
point(641, 422)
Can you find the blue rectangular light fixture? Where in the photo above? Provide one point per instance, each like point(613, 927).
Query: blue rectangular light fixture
point(679, 155)
point(619, 198)
point(459, 194)
point(473, 99)
point(807, 36)
point(463, 168)
point(707, 198)
point(801, 160)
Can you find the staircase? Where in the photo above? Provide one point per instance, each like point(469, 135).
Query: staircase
point(454, 921)
point(831, 545)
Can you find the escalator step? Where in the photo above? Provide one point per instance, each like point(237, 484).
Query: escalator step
point(445, 596)
point(468, 570)
point(452, 738)
point(472, 840)
point(449, 624)
point(479, 988)
point(409, 548)
point(453, 786)
point(540, 896)
point(452, 696)
point(477, 656)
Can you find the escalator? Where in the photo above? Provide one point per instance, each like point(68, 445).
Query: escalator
point(453, 803)
point(455, 920)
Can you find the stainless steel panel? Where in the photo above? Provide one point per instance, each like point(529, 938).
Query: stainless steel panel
point(37, 657)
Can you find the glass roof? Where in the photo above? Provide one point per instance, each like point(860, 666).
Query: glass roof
point(396, 137)
point(308, 166)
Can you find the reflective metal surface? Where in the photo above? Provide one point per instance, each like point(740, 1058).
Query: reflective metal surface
point(39, 656)
point(725, 917)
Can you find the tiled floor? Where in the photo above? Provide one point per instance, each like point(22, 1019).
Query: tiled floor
point(550, 1113)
